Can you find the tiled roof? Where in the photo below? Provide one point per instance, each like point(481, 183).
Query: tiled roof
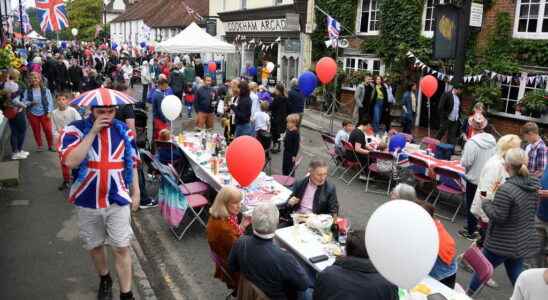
point(164, 13)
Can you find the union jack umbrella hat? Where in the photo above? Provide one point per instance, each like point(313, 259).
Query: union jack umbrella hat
point(102, 97)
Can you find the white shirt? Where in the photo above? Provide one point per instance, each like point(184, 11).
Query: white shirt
point(62, 118)
point(255, 107)
point(531, 286)
point(342, 135)
point(454, 115)
point(262, 121)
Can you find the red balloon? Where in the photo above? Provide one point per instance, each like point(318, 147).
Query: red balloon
point(429, 85)
point(326, 69)
point(245, 159)
point(212, 67)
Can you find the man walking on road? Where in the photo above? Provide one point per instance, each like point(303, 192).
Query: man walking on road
point(102, 153)
point(449, 109)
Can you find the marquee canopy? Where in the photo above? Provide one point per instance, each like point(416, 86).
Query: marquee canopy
point(194, 40)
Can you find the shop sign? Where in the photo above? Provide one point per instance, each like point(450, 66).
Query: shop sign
point(476, 14)
point(266, 25)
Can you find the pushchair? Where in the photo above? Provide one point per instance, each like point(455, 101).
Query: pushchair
point(141, 120)
point(265, 138)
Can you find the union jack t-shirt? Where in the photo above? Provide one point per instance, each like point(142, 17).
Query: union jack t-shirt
point(103, 184)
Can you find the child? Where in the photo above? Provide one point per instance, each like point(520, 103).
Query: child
point(384, 166)
point(292, 140)
point(262, 119)
point(62, 116)
point(343, 135)
point(189, 99)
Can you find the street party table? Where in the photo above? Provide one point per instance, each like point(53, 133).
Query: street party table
point(264, 188)
point(432, 162)
point(305, 243)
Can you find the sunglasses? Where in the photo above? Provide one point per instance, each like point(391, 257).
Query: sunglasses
point(103, 111)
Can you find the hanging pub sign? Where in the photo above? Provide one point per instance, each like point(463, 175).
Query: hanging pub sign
point(476, 14)
point(445, 33)
point(265, 25)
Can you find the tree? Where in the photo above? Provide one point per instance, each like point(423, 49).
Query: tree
point(82, 14)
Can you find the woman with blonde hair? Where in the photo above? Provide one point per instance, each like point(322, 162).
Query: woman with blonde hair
point(40, 105)
point(223, 229)
point(511, 234)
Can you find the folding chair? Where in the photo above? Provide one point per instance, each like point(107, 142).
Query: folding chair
point(193, 205)
point(218, 261)
point(375, 156)
point(289, 180)
point(481, 266)
point(430, 143)
point(449, 183)
point(419, 168)
point(351, 163)
point(196, 187)
point(152, 164)
point(329, 143)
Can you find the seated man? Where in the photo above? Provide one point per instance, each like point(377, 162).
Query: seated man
point(360, 138)
point(274, 271)
point(314, 194)
point(353, 276)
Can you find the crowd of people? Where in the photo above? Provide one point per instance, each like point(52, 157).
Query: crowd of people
point(504, 216)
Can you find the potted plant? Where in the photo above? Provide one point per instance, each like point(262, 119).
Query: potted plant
point(535, 103)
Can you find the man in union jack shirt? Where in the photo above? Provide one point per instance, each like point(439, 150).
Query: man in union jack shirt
point(102, 153)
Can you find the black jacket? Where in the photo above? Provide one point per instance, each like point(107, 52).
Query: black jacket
point(325, 198)
point(295, 101)
point(176, 81)
point(75, 75)
point(446, 105)
point(353, 278)
point(242, 111)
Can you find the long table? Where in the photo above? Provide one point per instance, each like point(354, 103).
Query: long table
point(264, 188)
point(302, 242)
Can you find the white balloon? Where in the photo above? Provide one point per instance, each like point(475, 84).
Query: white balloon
point(171, 107)
point(402, 242)
point(270, 66)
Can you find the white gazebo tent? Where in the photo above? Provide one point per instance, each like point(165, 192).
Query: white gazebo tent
point(194, 40)
point(35, 36)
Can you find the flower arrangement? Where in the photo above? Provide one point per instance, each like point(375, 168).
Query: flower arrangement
point(8, 59)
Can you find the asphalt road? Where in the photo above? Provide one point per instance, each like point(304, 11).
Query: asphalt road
point(183, 269)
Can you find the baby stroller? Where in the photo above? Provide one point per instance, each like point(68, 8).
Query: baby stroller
point(141, 120)
point(265, 138)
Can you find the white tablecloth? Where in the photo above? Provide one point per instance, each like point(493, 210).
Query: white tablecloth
point(263, 187)
point(301, 242)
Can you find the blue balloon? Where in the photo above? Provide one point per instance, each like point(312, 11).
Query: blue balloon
point(114, 45)
point(307, 83)
point(64, 45)
point(143, 45)
point(252, 71)
point(397, 141)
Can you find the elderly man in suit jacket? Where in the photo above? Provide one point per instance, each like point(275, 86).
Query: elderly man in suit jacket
point(362, 98)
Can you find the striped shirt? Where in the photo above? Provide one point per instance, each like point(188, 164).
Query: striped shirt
point(537, 157)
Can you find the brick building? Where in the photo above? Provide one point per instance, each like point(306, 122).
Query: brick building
point(530, 21)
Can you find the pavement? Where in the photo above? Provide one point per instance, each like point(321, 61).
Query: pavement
point(40, 239)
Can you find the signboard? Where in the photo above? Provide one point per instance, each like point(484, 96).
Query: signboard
point(266, 25)
point(292, 22)
point(476, 14)
point(445, 32)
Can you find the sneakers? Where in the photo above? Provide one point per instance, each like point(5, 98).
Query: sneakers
point(105, 289)
point(471, 237)
point(363, 177)
point(51, 149)
point(492, 284)
point(151, 203)
point(24, 153)
point(19, 155)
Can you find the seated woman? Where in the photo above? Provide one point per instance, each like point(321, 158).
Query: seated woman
point(223, 229)
point(165, 151)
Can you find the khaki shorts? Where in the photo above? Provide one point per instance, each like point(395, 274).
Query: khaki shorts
point(105, 226)
point(204, 119)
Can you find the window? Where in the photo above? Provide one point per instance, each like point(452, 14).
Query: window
point(368, 17)
point(512, 92)
point(531, 19)
point(372, 65)
point(428, 18)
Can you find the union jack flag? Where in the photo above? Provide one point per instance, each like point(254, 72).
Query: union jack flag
point(333, 29)
point(52, 15)
point(102, 97)
point(103, 183)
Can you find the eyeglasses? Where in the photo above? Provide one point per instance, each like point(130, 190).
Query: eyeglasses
point(103, 111)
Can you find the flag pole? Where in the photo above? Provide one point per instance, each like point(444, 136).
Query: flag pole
point(327, 15)
point(21, 30)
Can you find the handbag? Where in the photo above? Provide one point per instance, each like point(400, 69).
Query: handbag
point(220, 107)
point(10, 112)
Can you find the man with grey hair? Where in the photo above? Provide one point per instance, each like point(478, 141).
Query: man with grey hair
point(295, 103)
point(273, 270)
point(403, 191)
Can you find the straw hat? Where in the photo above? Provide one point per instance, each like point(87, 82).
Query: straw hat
point(477, 121)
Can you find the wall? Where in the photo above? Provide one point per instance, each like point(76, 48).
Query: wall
point(250, 4)
point(490, 17)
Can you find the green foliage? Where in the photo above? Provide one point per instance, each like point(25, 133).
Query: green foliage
point(535, 101)
point(530, 52)
point(82, 14)
point(343, 11)
point(498, 55)
point(487, 93)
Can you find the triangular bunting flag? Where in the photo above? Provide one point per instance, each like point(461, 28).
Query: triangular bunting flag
point(450, 77)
